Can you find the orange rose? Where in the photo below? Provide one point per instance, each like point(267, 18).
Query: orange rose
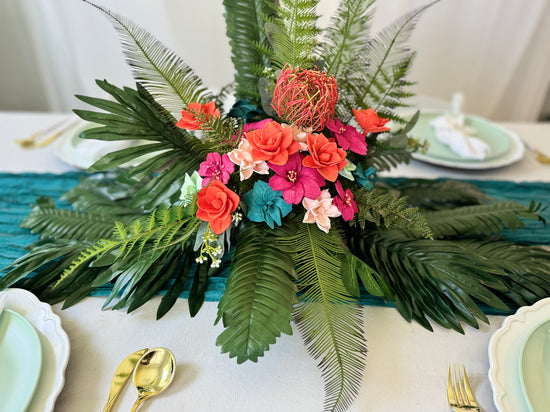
point(189, 119)
point(273, 143)
point(215, 205)
point(370, 122)
point(325, 156)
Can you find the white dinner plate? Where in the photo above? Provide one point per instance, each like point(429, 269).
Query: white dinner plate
point(505, 349)
point(505, 146)
point(54, 342)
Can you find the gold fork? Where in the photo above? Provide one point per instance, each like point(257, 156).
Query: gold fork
point(459, 392)
point(41, 138)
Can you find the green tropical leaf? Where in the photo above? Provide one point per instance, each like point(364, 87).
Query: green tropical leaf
point(172, 83)
point(45, 257)
point(173, 147)
point(390, 210)
point(478, 219)
point(445, 280)
point(245, 20)
point(438, 194)
point(376, 78)
point(329, 319)
point(257, 304)
point(294, 34)
point(68, 224)
point(345, 35)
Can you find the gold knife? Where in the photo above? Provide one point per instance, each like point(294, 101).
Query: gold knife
point(122, 374)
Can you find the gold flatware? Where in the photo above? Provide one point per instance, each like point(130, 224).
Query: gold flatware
point(541, 157)
point(41, 138)
point(459, 392)
point(121, 375)
point(153, 374)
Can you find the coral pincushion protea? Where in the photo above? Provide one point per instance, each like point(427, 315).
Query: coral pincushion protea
point(305, 98)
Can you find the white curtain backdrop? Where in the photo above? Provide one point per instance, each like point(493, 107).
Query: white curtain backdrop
point(496, 52)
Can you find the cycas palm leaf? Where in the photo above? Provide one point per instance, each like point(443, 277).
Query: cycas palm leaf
point(249, 46)
point(103, 194)
point(47, 259)
point(294, 34)
point(258, 300)
point(68, 224)
point(329, 319)
point(345, 35)
point(173, 84)
point(437, 194)
point(478, 219)
point(376, 78)
point(446, 279)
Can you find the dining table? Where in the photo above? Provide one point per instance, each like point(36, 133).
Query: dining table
point(406, 365)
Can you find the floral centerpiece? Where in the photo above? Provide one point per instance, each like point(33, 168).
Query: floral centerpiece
point(278, 195)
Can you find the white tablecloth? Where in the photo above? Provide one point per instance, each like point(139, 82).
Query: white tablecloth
point(406, 366)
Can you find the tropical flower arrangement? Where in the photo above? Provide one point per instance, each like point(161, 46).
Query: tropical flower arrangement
point(278, 195)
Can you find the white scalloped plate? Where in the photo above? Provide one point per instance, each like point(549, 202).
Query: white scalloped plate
point(505, 349)
point(54, 341)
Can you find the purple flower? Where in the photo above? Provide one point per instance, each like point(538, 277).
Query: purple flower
point(347, 137)
point(295, 180)
point(216, 167)
point(345, 203)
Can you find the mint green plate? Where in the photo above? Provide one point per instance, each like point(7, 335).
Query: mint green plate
point(20, 361)
point(535, 368)
point(494, 136)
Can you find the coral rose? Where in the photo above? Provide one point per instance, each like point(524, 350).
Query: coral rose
point(370, 122)
point(204, 112)
point(215, 204)
point(272, 143)
point(325, 156)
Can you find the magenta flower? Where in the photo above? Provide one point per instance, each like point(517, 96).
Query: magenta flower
point(295, 180)
point(345, 203)
point(347, 137)
point(216, 167)
point(256, 125)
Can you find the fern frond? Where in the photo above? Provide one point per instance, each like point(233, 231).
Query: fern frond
point(245, 20)
point(477, 220)
point(294, 34)
point(346, 35)
point(376, 78)
point(172, 83)
point(329, 319)
point(157, 234)
point(390, 210)
point(258, 300)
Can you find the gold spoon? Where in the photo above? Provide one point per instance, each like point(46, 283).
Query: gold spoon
point(153, 374)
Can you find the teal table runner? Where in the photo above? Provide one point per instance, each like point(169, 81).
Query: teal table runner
point(18, 191)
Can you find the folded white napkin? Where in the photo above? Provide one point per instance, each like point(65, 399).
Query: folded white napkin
point(452, 132)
